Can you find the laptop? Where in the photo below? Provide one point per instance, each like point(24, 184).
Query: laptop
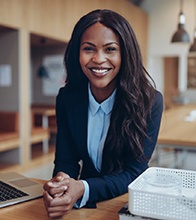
point(16, 188)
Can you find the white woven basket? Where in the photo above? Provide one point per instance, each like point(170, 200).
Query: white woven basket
point(162, 205)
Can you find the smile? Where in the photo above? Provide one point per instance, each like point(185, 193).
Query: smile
point(100, 71)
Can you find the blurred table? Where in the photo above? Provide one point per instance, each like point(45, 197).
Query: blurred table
point(176, 132)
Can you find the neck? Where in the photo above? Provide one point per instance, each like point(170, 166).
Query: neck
point(101, 95)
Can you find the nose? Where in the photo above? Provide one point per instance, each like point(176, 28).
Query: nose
point(99, 57)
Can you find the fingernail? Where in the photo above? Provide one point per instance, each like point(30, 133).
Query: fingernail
point(65, 188)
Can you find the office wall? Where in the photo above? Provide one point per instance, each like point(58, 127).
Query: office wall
point(163, 20)
point(9, 56)
point(38, 54)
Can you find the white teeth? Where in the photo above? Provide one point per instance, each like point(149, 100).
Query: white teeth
point(100, 70)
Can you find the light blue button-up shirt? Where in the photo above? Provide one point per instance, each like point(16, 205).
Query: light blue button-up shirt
point(98, 124)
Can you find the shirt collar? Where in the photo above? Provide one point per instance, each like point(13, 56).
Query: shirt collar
point(106, 105)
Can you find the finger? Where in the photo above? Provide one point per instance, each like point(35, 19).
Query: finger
point(58, 191)
point(47, 186)
point(58, 209)
point(55, 181)
point(58, 195)
point(61, 185)
point(60, 176)
point(47, 199)
point(53, 205)
point(58, 184)
point(64, 200)
point(63, 182)
point(53, 211)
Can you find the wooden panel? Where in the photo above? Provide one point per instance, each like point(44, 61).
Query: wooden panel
point(191, 78)
point(9, 131)
point(56, 19)
point(9, 121)
point(170, 80)
point(10, 143)
point(24, 79)
point(39, 134)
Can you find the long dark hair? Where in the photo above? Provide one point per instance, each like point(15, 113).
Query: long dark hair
point(134, 95)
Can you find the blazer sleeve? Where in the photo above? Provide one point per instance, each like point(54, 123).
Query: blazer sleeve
point(66, 157)
point(109, 186)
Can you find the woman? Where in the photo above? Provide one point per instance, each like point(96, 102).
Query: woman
point(108, 115)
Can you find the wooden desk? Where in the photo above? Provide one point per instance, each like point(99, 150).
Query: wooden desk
point(175, 132)
point(35, 210)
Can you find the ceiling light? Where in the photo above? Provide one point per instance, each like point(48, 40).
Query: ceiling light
point(181, 35)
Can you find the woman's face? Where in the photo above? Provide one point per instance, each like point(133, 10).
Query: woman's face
point(100, 58)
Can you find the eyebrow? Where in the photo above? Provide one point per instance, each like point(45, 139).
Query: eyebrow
point(86, 42)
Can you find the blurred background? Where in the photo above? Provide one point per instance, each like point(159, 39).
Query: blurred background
point(33, 39)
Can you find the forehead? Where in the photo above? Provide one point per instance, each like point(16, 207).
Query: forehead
point(99, 32)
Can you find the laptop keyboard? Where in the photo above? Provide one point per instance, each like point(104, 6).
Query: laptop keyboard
point(8, 192)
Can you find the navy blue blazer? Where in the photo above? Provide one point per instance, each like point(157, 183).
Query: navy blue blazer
point(71, 146)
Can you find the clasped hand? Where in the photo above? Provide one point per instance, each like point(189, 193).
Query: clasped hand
point(61, 193)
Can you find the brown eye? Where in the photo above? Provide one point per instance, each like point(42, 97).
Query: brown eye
point(88, 48)
point(110, 49)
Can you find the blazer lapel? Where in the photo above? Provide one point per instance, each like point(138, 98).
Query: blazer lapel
point(81, 123)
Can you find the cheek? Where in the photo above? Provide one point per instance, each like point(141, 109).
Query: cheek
point(117, 60)
point(83, 60)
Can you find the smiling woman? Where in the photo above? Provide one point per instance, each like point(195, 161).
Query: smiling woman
point(100, 59)
point(108, 115)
